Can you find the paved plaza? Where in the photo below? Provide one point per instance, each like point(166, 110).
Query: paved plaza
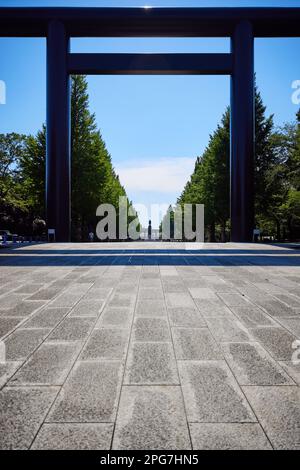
point(149, 346)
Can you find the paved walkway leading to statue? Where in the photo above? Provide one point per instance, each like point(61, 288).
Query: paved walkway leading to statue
point(149, 346)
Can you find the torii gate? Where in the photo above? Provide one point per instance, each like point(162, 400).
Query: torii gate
point(242, 25)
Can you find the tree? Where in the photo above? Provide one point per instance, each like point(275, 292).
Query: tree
point(94, 180)
point(264, 159)
point(210, 182)
point(32, 170)
point(11, 201)
point(277, 181)
point(167, 225)
point(292, 204)
point(283, 182)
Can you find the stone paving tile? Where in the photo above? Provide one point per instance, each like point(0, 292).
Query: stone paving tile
point(61, 284)
point(6, 288)
point(179, 299)
point(192, 283)
point(283, 282)
point(292, 369)
point(233, 300)
point(106, 343)
point(126, 288)
point(211, 393)
point(252, 365)
point(290, 300)
point(151, 308)
point(22, 412)
point(151, 329)
point(42, 277)
point(276, 340)
point(67, 299)
point(186, 317)
point(23, 309)
point(28, 288)
point(87, 308)
point(251, 316)
point(106, 282)
point(10, 300)
point(74, 436)
point(213, 308)
point(195, 344)
point(268, 287)
point(7, 369)
point(152, 282)
point(151, 418)
point(45, 294)
point(236, 282)
point(73, 276)
point(117, 317)
point(7, 325)
point(214, 281)
point(292, 324)
point(276, 309)
point(122, 300)
point(278, 410)
point(173, 285)
point(293, 277)
point(98, 293)
point(168, 271)
point(72, 329)
point(90, 279)
point(90, 394)
point(228, 436)
point(151, 363)
point(149, 274)
point(22, 342)
point(203, 293)
point(150, 293)
point(46, 318)
point(49, 365)
point(227, 330)
point(252, 292)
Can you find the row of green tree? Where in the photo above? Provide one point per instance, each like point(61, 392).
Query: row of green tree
point(22, 173)
point(276, 178)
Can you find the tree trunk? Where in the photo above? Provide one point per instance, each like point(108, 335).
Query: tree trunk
point(278, 231)
point(212, 233)
point(82, 228)
point(291, 228)
point(284, 233)
point(223, 232)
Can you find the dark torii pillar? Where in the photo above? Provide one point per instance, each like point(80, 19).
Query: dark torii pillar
point(242, 134)
point(58, 168)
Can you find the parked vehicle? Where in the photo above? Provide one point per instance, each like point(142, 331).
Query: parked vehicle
point(8, 236)
point(5, 233)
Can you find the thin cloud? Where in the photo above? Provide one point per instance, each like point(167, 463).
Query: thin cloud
point(164, 175)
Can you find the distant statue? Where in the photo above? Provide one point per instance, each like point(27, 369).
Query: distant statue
point(149, 230)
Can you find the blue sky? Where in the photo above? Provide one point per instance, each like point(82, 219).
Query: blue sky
point(154, 127)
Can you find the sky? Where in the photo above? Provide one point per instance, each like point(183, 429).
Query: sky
point(154, 126)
